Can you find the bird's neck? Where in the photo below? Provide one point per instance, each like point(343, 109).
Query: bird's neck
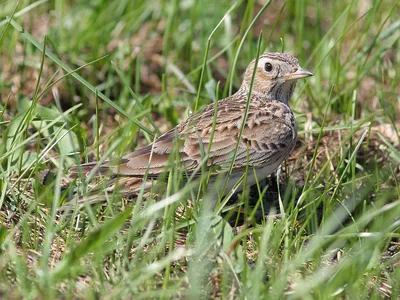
point(278, 91)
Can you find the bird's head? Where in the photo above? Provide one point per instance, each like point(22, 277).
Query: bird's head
point(275, 77)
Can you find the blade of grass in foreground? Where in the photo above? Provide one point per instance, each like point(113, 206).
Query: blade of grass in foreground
point(248, 100)
point(23, 11)
point(206, 56)
point(231, 72)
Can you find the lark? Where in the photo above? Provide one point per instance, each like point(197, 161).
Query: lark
point(267, 139)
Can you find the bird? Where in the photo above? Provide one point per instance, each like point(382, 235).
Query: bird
point(267, 138)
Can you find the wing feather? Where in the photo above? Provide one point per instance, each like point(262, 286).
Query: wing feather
point(269, 135)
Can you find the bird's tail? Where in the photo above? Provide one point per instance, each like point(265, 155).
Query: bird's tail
point(126, 187)
point(85, 169)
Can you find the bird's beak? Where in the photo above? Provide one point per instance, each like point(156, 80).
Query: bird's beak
point(300, 73)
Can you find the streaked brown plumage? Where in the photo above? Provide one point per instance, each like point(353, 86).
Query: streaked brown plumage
point(268, 138)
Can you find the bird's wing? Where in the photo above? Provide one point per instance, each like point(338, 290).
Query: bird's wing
point(269, 135)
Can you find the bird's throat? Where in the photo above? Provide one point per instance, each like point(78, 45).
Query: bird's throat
point(282, 91)
point(273, 91)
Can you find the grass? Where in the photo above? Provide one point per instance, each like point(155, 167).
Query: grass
point(82, 82)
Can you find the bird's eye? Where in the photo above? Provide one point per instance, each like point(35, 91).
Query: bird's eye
point(268, 67)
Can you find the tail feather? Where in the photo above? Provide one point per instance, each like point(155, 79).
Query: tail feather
point(85, 169)
point(126, 187)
